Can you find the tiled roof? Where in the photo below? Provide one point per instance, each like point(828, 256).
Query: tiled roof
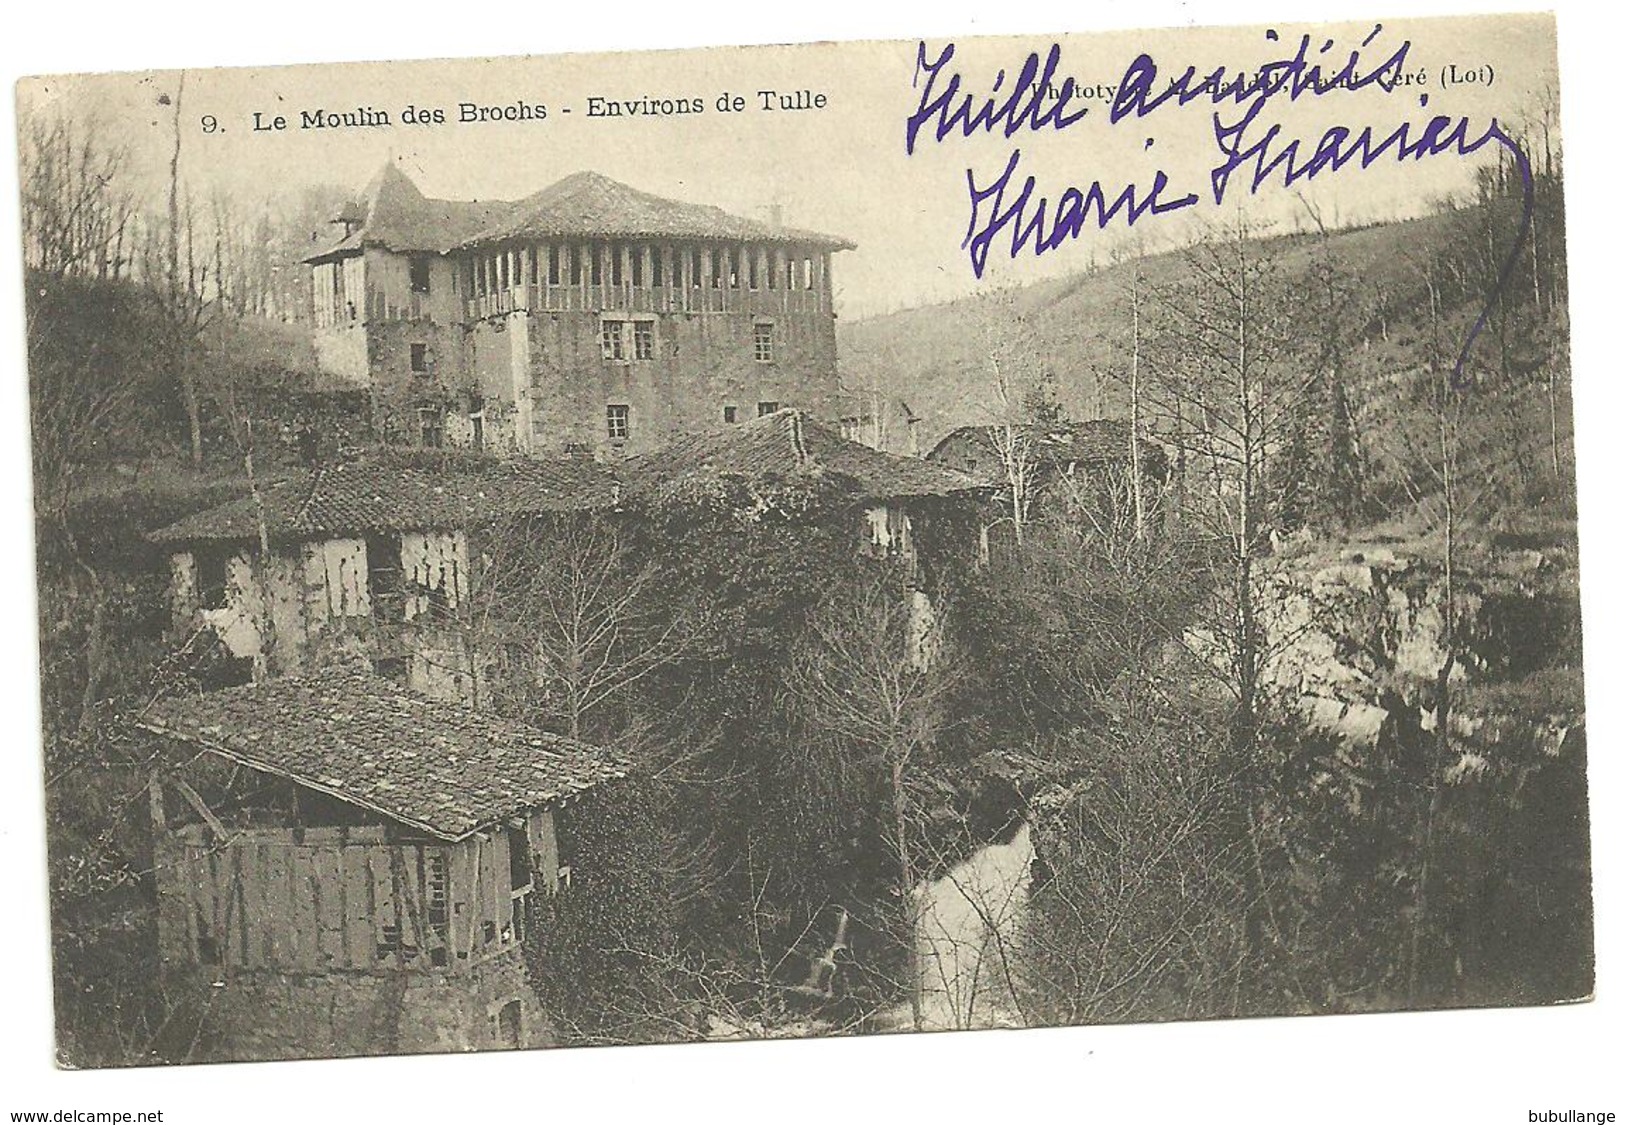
point(398, 490)
point(1092, 442)
point(784, 443)
point(394, 214)
point(440, 767)
point(592, 205)
point(419, 490)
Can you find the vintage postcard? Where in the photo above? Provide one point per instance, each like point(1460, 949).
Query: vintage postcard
point(801, 541)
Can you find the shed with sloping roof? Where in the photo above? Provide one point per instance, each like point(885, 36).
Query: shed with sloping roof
point(334, 844)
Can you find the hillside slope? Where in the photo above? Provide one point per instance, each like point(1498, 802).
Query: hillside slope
point(936, 358)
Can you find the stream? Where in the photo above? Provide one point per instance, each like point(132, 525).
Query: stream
point(969, 933)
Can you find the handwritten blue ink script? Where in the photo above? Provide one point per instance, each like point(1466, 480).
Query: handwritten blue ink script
point(1010, 214)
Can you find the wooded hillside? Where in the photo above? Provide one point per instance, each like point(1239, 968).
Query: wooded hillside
point(1073, 335)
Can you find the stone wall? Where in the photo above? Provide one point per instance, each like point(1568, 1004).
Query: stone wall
point(253, 1015)
point(283, 612)
point(548, 368)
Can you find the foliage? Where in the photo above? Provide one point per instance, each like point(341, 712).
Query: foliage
point(1057, 624)
point(594, 950)
point(688, 614)
point(1140, 888)
point(103, 654)
point(1346, 876)
point(743, 640)
point(98, 379)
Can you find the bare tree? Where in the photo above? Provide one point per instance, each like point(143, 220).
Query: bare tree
point(183, 289)
point(79, 217)
point(858, 680)
point(1017, 384)
point(1136, 462)
point(570, 618)
point(78, 210)
point(1234, 375)
point(1142, 888)
point(1443, 506)
point(1336, 306)
point(1230, 372)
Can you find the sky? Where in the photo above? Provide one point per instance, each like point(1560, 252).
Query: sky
point(842, 168)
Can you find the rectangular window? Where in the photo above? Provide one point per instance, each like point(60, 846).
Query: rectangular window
point(637, 266)
point(430, 427)
point(208, 948)
point(656, 261)
point(211, 579)
point(420, 357)
point(552, 265)
point(439, 916)
point(763, 409)
point(384, 577)
point(598, 265)
point(476, 431)
point(619, 418)
point(420, 275)
point(612, 338)
point(751, 263)
point(617, 255)
point(764, 343)
point(730, 413)
point(518, 857)
point(643, 339)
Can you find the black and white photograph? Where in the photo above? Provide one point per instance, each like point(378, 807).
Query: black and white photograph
point(928, 534)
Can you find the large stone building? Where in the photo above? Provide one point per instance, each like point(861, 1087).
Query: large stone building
point(589, 317)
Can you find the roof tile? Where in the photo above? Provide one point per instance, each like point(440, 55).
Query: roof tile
point(592, 205)
point(399, 490)
point(441, 767)
point(405, 490)
point(783, 443)
point(394, 214)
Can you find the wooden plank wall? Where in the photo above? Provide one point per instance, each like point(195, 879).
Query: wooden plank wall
point(339, 899)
